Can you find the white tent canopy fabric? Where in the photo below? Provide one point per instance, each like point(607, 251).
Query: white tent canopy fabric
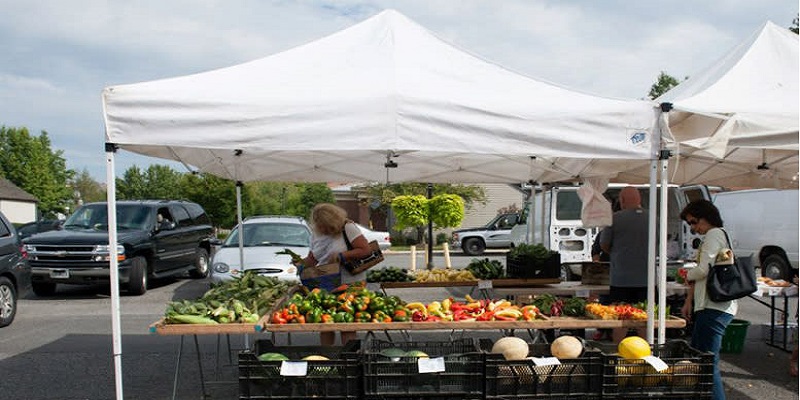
point(736, 123)
point(336, 108)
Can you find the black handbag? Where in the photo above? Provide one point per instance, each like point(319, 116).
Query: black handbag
point(728, 279)
point(357, 266)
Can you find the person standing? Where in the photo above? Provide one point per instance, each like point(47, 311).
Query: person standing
point(329, 224)
point(626, 243)
point(710, 317)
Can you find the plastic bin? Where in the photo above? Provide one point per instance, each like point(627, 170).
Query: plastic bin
point(528, 268)
point(399, 377)
point(735, 334)
point(337, 378)
point(689, 374)
point(579, 378)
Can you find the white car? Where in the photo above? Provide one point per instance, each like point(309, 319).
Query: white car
point(263, 237)
point(383, 238)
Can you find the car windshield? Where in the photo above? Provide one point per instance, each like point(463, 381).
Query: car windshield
point(95, 216)
point(271, 234)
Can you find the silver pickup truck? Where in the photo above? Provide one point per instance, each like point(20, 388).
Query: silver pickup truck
point(495, 234)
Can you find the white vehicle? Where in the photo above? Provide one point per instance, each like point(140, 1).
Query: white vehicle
point(763, 228)
point(263, 237)
point(383, 238)
point(557, 223)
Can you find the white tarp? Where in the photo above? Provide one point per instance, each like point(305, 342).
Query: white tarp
point(333, 109)
point(736, 122)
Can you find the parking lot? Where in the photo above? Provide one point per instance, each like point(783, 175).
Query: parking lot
point(60, 348)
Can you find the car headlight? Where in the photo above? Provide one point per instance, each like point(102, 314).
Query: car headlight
point(221, 268)
point(103, 252)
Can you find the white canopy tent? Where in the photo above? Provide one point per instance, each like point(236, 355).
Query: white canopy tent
point(735, 124)
point(338, 108)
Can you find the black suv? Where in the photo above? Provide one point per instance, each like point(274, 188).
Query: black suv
point(155, 238)
point(15, 274)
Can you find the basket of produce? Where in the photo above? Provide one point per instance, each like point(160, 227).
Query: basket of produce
point(451, 369)
point(330, 372)
point(486, 269)
point(561, 370)
point(626, 374)
point(532, 261)
point(389, 274)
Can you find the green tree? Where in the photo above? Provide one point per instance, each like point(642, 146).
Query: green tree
point(132, 185)
point(86, 189)
point(312, 194)
point(29, 162)
point(795, 23)
point(216, 195)
point(157, 182)
point(663, 84)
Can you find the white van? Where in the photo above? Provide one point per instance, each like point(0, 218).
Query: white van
point(557, 223)
point(763, 228)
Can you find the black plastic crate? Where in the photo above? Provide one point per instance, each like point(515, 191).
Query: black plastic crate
point(526, 268)
point(394, 378)
point(579, 378)
point(689, 376)
point(337, 378)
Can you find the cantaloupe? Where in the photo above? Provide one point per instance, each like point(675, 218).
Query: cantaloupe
point(566, 347)
point(512, 348)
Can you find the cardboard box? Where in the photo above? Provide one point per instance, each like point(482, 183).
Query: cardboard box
point(594, 273)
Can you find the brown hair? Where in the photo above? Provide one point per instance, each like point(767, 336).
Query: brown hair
point(328, 219)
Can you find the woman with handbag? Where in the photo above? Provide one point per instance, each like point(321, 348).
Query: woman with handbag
point(710, 317)
point(329, 224)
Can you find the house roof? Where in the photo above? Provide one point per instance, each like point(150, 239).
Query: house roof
point(10, 191)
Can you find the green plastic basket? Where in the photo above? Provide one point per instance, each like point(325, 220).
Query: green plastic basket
point(735, 334)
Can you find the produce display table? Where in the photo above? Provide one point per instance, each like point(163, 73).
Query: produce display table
point(776, 292)
point(495, 283)
point(576, 289)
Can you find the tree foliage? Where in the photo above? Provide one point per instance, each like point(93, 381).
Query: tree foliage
point(443, 210)
point(29, 162)
point(663, 84)
point(86, 189)
point(794, 28)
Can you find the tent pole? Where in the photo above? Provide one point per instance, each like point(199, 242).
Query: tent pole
point(651, 255)
point(662, 249)
point(116, 330)
point(239, 185)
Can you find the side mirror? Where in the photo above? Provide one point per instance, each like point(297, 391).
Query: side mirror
point(215, 242)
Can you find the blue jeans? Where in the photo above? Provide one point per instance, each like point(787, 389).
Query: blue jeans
point(709, 328)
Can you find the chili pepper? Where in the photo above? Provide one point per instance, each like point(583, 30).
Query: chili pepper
point(341, 288)
point(485, 316)
point(504, 318)
point(529, 313)
point(433, 318)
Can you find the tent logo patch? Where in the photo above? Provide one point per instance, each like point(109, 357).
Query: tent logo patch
point(638, 138)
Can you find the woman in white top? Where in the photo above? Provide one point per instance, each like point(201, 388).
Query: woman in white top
point(710, 317)
point(329, 224)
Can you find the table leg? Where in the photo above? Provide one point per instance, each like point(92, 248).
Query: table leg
point(200, 366)
point(177, 370)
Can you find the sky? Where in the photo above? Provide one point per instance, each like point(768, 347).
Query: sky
point(56, 56)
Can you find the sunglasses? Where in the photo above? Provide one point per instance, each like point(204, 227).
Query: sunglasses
point(692, 221)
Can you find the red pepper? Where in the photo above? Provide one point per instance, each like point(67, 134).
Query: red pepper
point(486, 316)
point(277, 318)
point(503, 318)
point(418, 316)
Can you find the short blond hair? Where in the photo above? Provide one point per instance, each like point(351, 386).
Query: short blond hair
point(328, 219)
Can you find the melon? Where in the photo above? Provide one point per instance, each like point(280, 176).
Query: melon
point(512, 348)
point(393, 353)
point(566, 347)
point(315, 358)
point(633, 348)
point(272, 357)
point(415, 354)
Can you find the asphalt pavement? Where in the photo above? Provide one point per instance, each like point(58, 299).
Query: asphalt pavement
point(61, 348)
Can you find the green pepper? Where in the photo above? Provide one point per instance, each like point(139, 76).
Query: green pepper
point(377, 304)
point(342, 316)
point(305, 306)
point(314, 316)
point(361, 303)
point(363, 316)
point(400, 315)
point(380, 316)
point(328, 301)
point(315, 295)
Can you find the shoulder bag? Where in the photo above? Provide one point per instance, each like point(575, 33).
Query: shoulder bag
point(357, 266)
point(728, 279)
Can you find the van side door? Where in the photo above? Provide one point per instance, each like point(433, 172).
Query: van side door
point(690, 240)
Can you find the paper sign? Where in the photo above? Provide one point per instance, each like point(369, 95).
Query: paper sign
point(582, 293)
point(774, 291)
point(294, 368)
point(484, 284)
point(430, 365)
point(543, 361)
point(656, 363)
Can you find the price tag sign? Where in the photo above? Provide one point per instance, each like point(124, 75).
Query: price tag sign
point(544, 361)
point(430, 365)
point(294, 368)
point(484, 284)
point(656, 362)
point(582, 293)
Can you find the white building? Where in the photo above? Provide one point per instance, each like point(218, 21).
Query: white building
point(18, 205)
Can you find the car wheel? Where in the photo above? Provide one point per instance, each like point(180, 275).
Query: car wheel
point(775, 267)
point(43, 289)
point(137, 283)
point(201, 268)
point(473, 247)
point(8, 302)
